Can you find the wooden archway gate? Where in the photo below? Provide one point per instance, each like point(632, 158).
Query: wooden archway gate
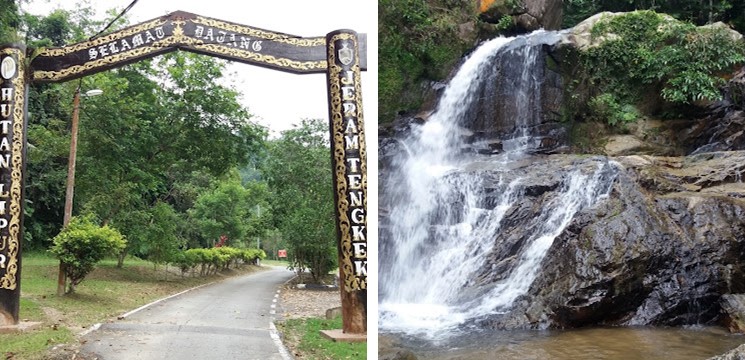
point(340, 54)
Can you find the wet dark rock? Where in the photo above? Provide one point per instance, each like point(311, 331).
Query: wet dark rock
point(723, 129)
point(649, 254)
point(508, 103)
point(733, 311)
point(388, 349)
point(737, 353)
point(528, 15)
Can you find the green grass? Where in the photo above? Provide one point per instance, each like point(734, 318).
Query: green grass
point(275, 262)
point(106, 293)
point(303, 337)
point(33, 344)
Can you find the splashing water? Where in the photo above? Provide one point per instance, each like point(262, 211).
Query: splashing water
point(443, 224)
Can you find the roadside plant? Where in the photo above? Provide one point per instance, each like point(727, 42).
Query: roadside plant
point(82, 244)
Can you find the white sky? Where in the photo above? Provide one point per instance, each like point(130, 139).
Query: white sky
point(290, 97)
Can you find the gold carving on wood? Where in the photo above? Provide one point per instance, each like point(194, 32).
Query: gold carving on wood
point(9, 280)
point(103, 39)
point(268, 35)
point(351, 282)
point(179, 38)
point(262, 58)
point(109, 60)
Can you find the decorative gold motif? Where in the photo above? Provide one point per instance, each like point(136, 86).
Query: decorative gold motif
point(91, 65)
point(176, 40)
point(9, 281)
point(179, 37)
point(351, 282)
point(249, 56)
point(65, 50)
point(263, 34)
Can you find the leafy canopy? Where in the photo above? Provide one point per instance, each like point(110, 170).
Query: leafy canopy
point(298, 170)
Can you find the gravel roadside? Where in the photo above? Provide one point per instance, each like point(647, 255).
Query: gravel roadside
point(304, 303)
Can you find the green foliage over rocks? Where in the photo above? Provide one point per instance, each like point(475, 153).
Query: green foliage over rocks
point(641, 54)
point(420, 41)
point(731, 12)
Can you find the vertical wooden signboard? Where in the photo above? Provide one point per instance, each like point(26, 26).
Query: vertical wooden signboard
point(346, 125)
point(13, 93)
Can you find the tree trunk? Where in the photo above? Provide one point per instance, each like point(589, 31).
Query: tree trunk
point(120, 259)
point(711, 11)
point(61, 280)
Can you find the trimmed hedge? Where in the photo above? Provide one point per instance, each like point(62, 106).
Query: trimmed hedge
point(211, 260)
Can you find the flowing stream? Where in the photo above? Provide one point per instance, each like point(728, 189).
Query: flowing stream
point(443, 220)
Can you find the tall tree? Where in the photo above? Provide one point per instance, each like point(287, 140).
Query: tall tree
point(299, 173)
point(158, 120)
point(163, 131)
point(9, 21)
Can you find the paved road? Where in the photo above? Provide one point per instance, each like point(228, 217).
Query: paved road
point(227, 320)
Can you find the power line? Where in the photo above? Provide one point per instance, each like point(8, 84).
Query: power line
point(129, 7)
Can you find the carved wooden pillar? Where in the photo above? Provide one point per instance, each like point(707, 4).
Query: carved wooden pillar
point(348, 156)
point(13, 95)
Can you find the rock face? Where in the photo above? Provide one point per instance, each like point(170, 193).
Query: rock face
point(528, 15)
point(541, 14)
point(661, 250)
point(733, 310)
point(713, 127)
point(723, 128)
point(737, 353)
point(519, 91)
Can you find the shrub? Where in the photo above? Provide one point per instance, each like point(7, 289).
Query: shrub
point(605, 107)
point(185, 260)
point(419, 41)
point(215, 258)
point(82, 244)
point(644, 51)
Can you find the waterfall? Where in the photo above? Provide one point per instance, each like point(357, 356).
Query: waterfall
point(443, 221)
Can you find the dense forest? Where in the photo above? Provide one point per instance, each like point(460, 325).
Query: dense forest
point(421, 41)
point(169, 157)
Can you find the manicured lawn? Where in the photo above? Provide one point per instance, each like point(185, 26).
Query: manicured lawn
point(303, 337)
point(106, 293)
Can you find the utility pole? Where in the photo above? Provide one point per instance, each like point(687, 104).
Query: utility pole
point(258, 214)
point(70, 190)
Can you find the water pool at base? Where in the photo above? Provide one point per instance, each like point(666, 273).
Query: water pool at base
point(690, 343)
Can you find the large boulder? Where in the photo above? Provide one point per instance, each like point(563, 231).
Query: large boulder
point(661, 250)
point(737, 353)
point(541, 14)
point(733, 310)
point(722, 127)
point(528, 15)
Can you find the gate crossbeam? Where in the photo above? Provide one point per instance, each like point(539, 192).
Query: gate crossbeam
point(189, 32)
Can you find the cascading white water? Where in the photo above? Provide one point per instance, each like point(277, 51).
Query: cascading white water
point(442, 227)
